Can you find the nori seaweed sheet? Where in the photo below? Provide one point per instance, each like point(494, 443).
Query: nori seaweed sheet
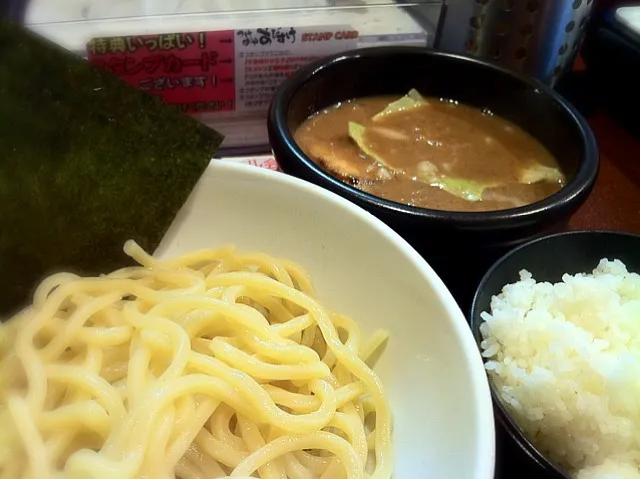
point(86, 162)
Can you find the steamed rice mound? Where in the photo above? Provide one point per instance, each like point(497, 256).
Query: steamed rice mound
point(565, 358)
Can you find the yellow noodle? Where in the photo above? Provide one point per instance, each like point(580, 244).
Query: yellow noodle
point(334, 471)
point(154, 466)
point(343, 354)
point(220, 423)
point(284, 352)
point(295, 470)
point(89, 413)
point(137, 376)
point(207, 463)
point(185, 436)
point(293, 326)
point(256, 368)
point(48, 285)
point(213, 364)
point(218, 450)
point(349, 422)
point(31, 439)
point(378, 338)
point(255, 442)
point(187, 469)
point(317, 440)
point(92, 384)
point(105, 337)
point(316, 464)
point(60, 341)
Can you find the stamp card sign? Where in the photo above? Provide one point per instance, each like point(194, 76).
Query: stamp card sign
point(263, 63)
point(192, 70)
point(223, 71)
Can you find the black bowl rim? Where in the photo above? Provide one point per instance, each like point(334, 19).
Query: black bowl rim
point(503, 415)
point(564, 201)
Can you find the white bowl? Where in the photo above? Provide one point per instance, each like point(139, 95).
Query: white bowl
point(432, 370)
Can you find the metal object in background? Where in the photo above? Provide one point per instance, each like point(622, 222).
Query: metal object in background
point(537, 37)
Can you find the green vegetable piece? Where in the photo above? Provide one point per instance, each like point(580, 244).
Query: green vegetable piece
point(466, 189)
point(538, 173)
point(357, 132)
point(411, 100)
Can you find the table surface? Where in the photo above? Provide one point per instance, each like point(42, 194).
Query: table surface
point(615, 201)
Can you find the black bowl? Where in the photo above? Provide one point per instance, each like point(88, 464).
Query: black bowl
point(547, 259)
point(450, 241)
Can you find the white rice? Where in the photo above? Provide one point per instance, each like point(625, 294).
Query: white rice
point(565, 359)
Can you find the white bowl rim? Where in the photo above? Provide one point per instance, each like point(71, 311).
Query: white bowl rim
point(484, 406)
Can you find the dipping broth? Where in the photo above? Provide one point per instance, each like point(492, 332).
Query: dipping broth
point(430, 153)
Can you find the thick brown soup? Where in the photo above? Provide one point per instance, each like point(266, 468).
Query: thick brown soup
point(431, 153)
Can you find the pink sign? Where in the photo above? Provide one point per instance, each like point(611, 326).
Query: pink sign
point(195, 71)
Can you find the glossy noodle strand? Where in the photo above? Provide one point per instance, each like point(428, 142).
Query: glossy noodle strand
point(213, 364)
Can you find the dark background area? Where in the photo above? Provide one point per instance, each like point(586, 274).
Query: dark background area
point(13, 9)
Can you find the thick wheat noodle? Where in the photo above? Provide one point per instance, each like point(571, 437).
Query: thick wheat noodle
point(355, 365)
point(213, 364)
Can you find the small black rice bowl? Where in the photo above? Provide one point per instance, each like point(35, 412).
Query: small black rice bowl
point(547, 259)
point(460, 246)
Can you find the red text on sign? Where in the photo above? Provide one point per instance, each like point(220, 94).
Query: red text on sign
point(327, 36)
point(194, 71)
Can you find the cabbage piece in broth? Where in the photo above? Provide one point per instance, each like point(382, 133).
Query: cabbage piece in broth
point(467, 189)
point(411, 100)
point(357, 132)
point(538, 173)
point(462, 188)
